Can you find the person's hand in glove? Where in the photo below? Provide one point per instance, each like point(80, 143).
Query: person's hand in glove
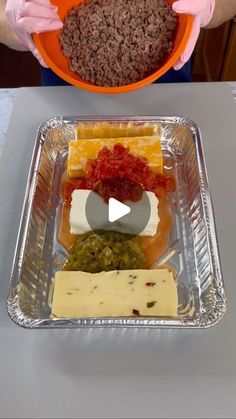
point(31, 16)
point(202, 11)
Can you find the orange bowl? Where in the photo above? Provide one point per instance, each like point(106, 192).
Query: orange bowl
point(50, 49)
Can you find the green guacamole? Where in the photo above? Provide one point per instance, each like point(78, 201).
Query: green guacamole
point(99, 251)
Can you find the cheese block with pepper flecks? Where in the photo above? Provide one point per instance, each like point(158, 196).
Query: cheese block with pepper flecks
point(115, 294)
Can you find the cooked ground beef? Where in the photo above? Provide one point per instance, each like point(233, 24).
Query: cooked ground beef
point(118, 42)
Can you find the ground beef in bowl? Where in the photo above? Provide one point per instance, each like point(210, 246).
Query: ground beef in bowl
point(118, 42)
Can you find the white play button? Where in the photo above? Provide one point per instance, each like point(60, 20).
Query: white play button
point(117, 210)
point(128, 217)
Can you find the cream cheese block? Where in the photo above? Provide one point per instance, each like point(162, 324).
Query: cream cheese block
point(115, 294)
point(78, 214)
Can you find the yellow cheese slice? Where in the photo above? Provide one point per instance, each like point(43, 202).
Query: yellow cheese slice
point(113, 130)
point(80, 151)
point(115, 294)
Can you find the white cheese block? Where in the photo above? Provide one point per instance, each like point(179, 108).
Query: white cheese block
point(115, 294)
point(152, 224)
point(78, 219)
point(79, 223)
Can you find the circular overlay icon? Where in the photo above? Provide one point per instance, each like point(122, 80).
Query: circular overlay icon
point(128, 217)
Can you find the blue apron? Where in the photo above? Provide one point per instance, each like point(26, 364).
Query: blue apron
point(48, 78)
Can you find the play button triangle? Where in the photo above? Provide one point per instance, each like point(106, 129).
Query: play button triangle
point(117, 210)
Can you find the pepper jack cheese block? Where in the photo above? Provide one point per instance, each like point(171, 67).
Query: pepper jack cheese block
point(115, 294)
point(108, 130)
point(82, 150)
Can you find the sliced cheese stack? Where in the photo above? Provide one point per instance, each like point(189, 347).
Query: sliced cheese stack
point(82, 150)
point(111, 130)
point(115, 294)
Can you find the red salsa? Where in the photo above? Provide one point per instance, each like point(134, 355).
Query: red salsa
point(117, 173)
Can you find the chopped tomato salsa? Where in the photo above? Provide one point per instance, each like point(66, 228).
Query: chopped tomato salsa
point(117, 173)
point(120, 189)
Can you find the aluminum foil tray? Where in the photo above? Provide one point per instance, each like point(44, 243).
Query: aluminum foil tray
point(193, 250)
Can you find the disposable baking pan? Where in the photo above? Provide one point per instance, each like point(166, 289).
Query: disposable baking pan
point(193, 248)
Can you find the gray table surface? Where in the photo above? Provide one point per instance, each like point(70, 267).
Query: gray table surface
point(120, 373)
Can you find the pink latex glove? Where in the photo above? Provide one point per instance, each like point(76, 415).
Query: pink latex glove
point(202, 10)
point(31, 16)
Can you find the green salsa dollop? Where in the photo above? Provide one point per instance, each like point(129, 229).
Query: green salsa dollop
point(101, 250)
